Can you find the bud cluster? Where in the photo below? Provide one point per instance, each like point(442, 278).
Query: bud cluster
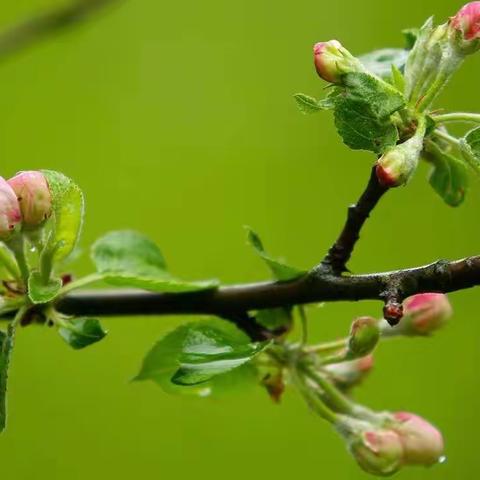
point(25, 202)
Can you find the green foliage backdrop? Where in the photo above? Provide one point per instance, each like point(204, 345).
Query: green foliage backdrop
point(177, 119)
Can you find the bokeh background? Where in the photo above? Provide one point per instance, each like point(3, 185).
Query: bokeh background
point(177, 119)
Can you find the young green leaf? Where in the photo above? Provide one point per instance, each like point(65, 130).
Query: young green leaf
point(41, 290)
point(68, 211)
point(449, 177)
point(410, 35)
point(380, 62)
point(128, 258)
point(212, 349)
point(81, 332)
point(398, 80)
point(164, 359)
point(308, 104)
point(363, 111)
point(470, 147)
point(280, 270)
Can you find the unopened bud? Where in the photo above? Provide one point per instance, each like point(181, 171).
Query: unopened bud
point(364, 336)
point(332, 61)
point(465, 26)
point(378, 451)
point(423, 314)
point(346, 375)
point(396, 166)
point(34, 198)
point(422, 442)
point(10, 216)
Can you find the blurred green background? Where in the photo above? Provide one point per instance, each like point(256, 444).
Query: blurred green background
point(177, 119)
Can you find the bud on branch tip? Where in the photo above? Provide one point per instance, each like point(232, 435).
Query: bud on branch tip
point(10, 216)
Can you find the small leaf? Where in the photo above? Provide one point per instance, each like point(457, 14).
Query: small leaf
point(449, 177)
point(128, 258)
point(398, 80)
point(380, 62)
point(41, 291)
point(81, 332)
point(470, 147)
point(164, 359)
point(308, 104)
point(280, 270)
point(68, 210)
point(6, 348)
point(363, 111)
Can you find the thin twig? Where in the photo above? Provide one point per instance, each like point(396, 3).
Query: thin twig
point(31, 30)
point(341, 251)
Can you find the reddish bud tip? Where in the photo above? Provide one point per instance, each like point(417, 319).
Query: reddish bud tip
point(327, 59)
point(393, 313)
point(467, 21)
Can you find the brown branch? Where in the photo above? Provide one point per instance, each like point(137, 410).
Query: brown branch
point(315, 287)
point(341, 251)
point(30, 31)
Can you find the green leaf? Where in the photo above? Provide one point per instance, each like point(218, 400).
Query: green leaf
point(6, 348)
point(128, 258)
point(470, 147)
point(449, 177)
point(308, 104)
point(380, 62)
point(363, 111)
point(42, 291)
point(280, 270)
point(398, 80)
point(68, 210)
point(81, 332)
point(164, 359)
point(211, 349)
point(410, 35)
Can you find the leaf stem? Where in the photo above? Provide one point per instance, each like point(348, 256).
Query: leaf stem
point(457, 117)
point(447, 137)
point(326, 347)
point(17, 246)
point(81, 282)
point(8, 261)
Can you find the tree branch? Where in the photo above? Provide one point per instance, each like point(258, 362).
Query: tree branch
point(441, 276)
point(341, 251)
point(46, 23)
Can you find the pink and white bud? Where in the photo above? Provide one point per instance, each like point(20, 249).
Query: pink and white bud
point(34, 197)
point(10, 216)
point(346, 375)
point(378, 451)
point(364, 336)
point(467, 21)
point(332, 61)
point(422, 442)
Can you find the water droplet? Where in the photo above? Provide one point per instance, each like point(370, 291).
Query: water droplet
point(442, 459)
point(33, 249)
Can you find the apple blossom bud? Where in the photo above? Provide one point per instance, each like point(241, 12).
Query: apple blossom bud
point(466, 27)
point(346, 375)
point(332, 61)
point(423, 314)
point(397, 165)
point(422, 442)
point(10, 216)
point(378, 451)
point(33, 193)
point(364, 335)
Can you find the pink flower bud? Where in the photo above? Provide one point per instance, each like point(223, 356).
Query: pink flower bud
point(378, 451)
point(33, 193)
point(346, 375)
point(467, 21)
point(364, 335)
point(332, 61)
point(422, 442)
point(10, 216)
point(426, 312)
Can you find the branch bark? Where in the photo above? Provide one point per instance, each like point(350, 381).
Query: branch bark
point(441, 276)
point(31, 30)
point(341, 251)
